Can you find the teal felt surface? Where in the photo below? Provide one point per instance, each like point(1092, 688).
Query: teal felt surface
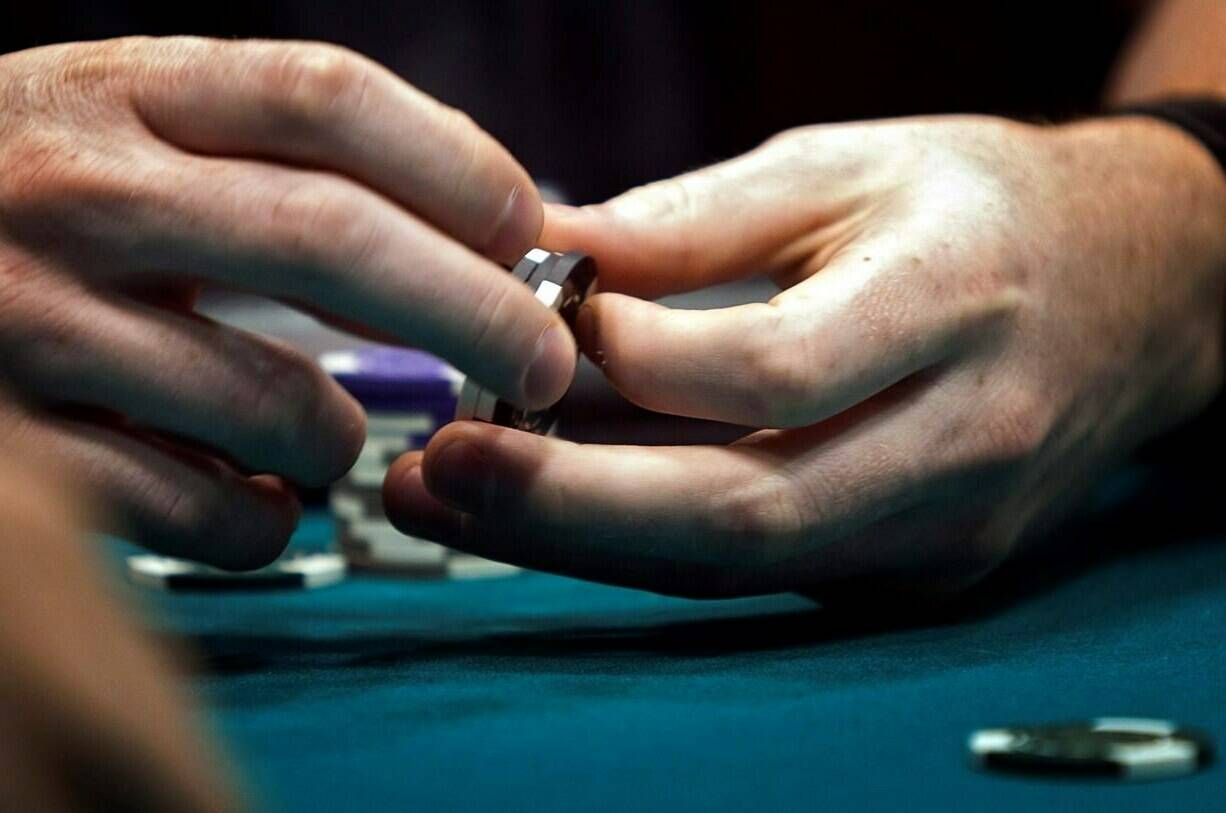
point(542, 693)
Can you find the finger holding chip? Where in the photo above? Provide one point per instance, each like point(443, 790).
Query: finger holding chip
point(153, 167)
point(561, 282)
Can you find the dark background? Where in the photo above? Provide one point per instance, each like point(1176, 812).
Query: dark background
point(595, 96)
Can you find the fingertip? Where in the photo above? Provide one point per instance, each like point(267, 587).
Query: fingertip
point(260, 542)
point(475, 432)
point(345, 420)
point(457, 471)
point(552, 369)
point(396, 482)
point(480, 468)
point(410, 506)
point(351, 429)
point(611, 325)
point(587, 334)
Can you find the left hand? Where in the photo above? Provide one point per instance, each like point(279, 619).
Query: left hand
point(976, 316)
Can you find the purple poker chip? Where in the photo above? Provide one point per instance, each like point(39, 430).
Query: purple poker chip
point(394, 379)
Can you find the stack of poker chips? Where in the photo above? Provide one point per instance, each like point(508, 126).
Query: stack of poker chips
point(408, 395)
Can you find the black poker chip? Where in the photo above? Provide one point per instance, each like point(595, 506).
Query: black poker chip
point(1107, 747)
point(560, 281)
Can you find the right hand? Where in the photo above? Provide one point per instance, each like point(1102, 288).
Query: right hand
point(134, 170)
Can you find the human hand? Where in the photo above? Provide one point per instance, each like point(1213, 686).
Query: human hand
point(133, 171)
point(976, 316)
point(91, 717)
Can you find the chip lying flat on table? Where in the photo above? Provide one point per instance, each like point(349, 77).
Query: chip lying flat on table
point(561, 281)
point(1121, 747)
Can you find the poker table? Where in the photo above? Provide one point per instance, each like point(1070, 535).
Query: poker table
point(535, 692)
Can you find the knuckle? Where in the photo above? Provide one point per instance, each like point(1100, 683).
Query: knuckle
point(283, 399)
point(35, 176)
point(48, 183)
point(43, 329)
point(780, 392)
point(470, 171)
point(765, 518)
point(993, 292)
point(884, 308)
point(967, 559)
point(980, 289)
point(982, 554)
point(671, 201)
point(674, 199)
point(780, 373)
point(310, 221)
point(1016, 430)
point(461, 125)
point(93, 68)
point(790, 140)
point(314, 84)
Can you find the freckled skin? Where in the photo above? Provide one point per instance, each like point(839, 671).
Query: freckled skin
point(977, 316)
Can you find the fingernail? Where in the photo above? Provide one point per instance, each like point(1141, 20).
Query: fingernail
point(552, 368)
point(460, 475)
point(519, 225)
point(587, 333)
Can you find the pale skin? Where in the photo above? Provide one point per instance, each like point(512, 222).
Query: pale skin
point(976, 317)
point(134, 171)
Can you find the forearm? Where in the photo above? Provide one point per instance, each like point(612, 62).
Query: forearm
point(1178, 50)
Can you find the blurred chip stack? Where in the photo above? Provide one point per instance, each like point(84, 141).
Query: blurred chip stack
point(408, 395)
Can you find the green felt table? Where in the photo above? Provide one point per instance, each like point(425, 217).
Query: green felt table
point(542, 693)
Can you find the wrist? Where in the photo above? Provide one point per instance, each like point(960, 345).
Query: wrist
point(1201, 117)
point(1157, 198)
point(1171, 169)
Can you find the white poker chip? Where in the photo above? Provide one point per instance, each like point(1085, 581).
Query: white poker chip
point(371, 543)
point(300, 571)
point(1120, 747)
point(560, 281)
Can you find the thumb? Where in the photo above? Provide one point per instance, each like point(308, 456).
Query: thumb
point(747, 216)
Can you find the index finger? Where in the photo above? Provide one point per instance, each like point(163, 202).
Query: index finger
point(326, 107)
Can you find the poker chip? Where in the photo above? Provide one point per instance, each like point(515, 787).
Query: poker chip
point(295, 571)
point(560, 281)
point(408, 395)
point(1119, 747)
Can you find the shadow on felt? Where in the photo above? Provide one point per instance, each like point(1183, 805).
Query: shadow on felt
point(1145, 545)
